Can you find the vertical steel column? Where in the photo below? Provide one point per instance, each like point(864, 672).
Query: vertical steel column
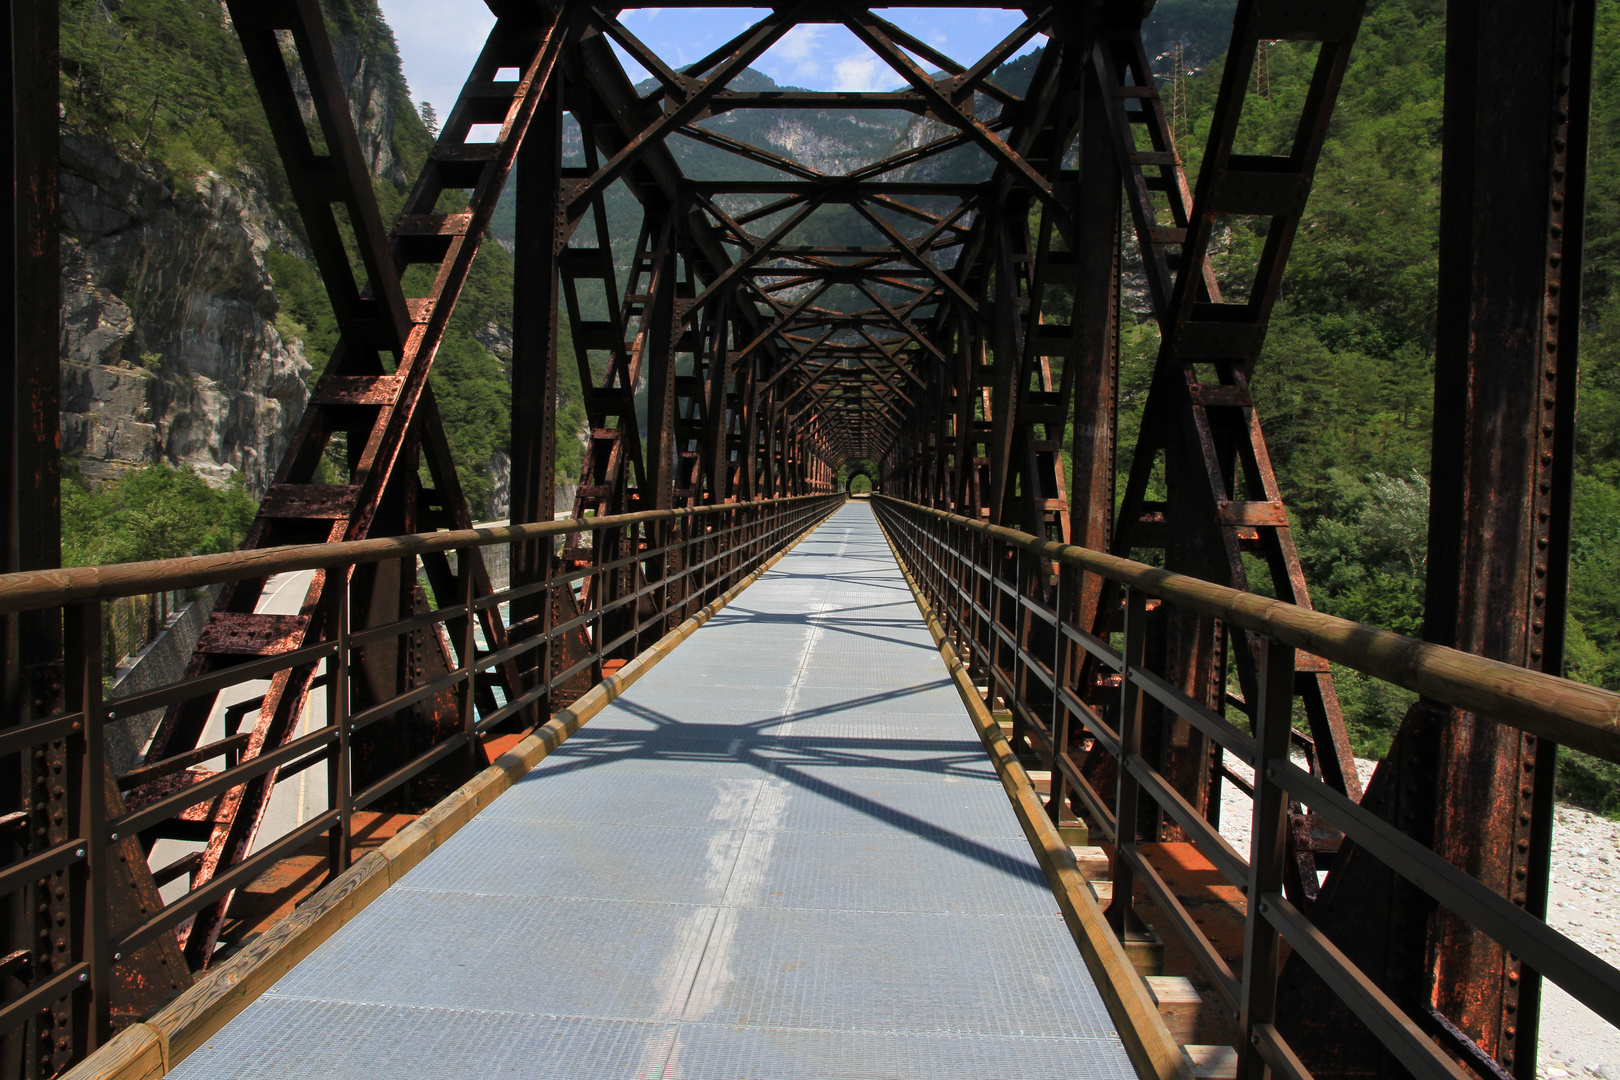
point(30, 646)
point(340, 766)
point(1512, 194)
point(1274, 723)
point(1127, 792)
point(1518, 85)
point(541, 232)
point(1096, 303)
point(1007, 339)
point(89, 881)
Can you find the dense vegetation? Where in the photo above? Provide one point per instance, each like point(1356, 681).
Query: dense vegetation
point(1345, 386)
point(153, 513)
point(166, 80)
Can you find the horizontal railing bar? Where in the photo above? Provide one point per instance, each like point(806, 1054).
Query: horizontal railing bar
point(573, 624)
point(1093, 800)
point(1234, 867)
point(511, 652)
point(1220, 973)
point(54, 989)
point(218, 784)
point(516, 592)
point(1238, 782)
point(609, 646)
point(307, 762)
point(33, 589)
point(213, 683)
point(370, 716)
point(361, 638)
point(1091, 722)
point(1032, 723)
point(17, 740)
point(1582, 974)
point(170, 915)
point(568, 673)
point(1105, 653)
point(421, 764)
point(512, 708)
point(1039, 670)
point(1278, 1054)
point(42, 865)
point(147, 773)
point(1584, 717)
point(1046, 614)
point(1006, 635)
point(1211, 723)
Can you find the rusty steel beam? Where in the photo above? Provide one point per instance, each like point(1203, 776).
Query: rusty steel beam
point(1199, 423)
point(1517, 110)
point(384, 416)
point(31, 645)
point(982, 333)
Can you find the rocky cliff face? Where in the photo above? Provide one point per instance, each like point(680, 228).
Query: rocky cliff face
point(169, 345)
point(370, 104)
point(170, 350)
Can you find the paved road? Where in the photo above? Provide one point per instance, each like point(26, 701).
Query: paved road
point(782, 854)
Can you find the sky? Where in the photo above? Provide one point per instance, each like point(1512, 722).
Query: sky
point(440, 39)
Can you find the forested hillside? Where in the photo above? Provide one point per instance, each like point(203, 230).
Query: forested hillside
point(1345, 385)
point(161, 84)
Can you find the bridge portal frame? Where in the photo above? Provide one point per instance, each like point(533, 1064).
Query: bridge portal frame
point(958, 378)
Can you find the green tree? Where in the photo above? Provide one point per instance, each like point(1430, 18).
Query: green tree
point(157, 512)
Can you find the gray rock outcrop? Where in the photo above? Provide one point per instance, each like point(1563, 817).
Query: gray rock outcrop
point(169, 346)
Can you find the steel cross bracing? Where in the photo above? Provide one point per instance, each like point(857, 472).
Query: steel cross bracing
point(960, 344)
point(725, 359)
point(1199, 423)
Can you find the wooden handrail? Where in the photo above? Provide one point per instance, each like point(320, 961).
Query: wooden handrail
point(1547, 706)
point(31, 590)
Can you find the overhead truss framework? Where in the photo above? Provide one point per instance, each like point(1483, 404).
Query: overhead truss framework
point(943, 318)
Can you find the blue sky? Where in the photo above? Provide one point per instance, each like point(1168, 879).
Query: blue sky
point(439, 39)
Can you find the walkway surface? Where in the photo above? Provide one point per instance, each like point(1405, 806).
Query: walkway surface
point(783, 853)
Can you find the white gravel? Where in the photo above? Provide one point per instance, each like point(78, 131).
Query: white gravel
point(1585, 884)
point(1575, 1042)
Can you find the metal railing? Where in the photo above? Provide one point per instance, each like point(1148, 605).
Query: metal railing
point(1000, 595)
point(652, 570)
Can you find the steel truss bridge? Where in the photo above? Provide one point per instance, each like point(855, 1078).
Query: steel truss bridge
point(1100, 636)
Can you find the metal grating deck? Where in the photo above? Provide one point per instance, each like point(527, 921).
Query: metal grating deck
point(783, 853)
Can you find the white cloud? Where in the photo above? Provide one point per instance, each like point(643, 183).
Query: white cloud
point(799, 43)
point(862, 73)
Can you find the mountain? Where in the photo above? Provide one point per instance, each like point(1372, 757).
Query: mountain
point(194, 322)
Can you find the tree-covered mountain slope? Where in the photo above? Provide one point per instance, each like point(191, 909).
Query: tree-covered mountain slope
point(1345, 385)
point(194, 321)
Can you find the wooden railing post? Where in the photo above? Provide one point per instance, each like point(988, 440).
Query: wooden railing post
point(1274, 721)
